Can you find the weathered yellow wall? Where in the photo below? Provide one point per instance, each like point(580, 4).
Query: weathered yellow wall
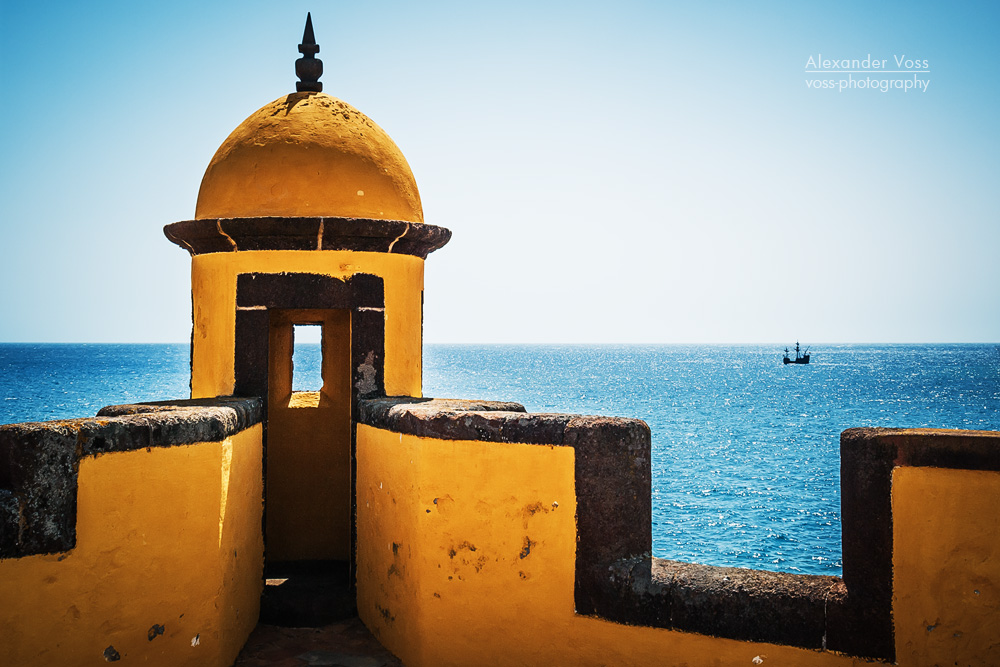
point(309, 445)
point(166, 536)
point(389, 542)
point(946, 558)
point(485, 575)
point(213, 281)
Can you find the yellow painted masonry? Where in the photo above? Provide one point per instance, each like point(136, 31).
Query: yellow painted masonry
point(466, 556)
point(213, 281)
point(309, 154)
point(167, 565)
point(945, 556)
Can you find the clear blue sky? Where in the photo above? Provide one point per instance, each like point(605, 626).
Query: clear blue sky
point(612, 172)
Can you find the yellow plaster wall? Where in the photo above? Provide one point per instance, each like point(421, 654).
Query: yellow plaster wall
point(946, 562)
point(213, 282)
point(166, 536)
point(464, 559)
point(388, 541)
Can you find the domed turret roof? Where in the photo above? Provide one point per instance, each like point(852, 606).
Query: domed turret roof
point(308, 172)
point(309, 154)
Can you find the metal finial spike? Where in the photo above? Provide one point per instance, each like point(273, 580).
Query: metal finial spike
point(308, 68)
point(307, 35)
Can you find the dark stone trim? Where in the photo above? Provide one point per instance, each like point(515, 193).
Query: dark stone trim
point(861, 623)
point(39, 461)
point(258, 293)
point(614, 512)
point(316, 233)
point(735, 603)
point(936, 448)
point(308, 291)
point(367, 354)
point(11, 525)
point(39, 464)
point(251, 356)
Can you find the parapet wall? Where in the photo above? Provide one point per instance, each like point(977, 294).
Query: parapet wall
point(132, 536)
point(485, 535)
point(491, 536)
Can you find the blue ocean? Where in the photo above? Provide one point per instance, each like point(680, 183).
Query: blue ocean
point(746, 469)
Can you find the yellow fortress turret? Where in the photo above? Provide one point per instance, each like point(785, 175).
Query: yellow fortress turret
point(460, 532)
point(309, 154)
point(308, 214)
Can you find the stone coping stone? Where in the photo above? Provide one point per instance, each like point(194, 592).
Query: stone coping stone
point(307, 233)
point(39, 461)
point(488, 421)
point(930, 447)
point(731, 602)
point(180, 422)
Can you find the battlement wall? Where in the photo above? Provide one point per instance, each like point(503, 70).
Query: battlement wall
point(487, 535)
point(132, 536)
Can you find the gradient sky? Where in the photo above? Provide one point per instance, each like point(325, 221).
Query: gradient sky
point(613, 172)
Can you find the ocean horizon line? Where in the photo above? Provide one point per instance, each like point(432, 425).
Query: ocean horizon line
point(568, 343)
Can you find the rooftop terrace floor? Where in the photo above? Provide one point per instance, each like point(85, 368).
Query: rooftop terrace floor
point(347, 643)
point(308, 616)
